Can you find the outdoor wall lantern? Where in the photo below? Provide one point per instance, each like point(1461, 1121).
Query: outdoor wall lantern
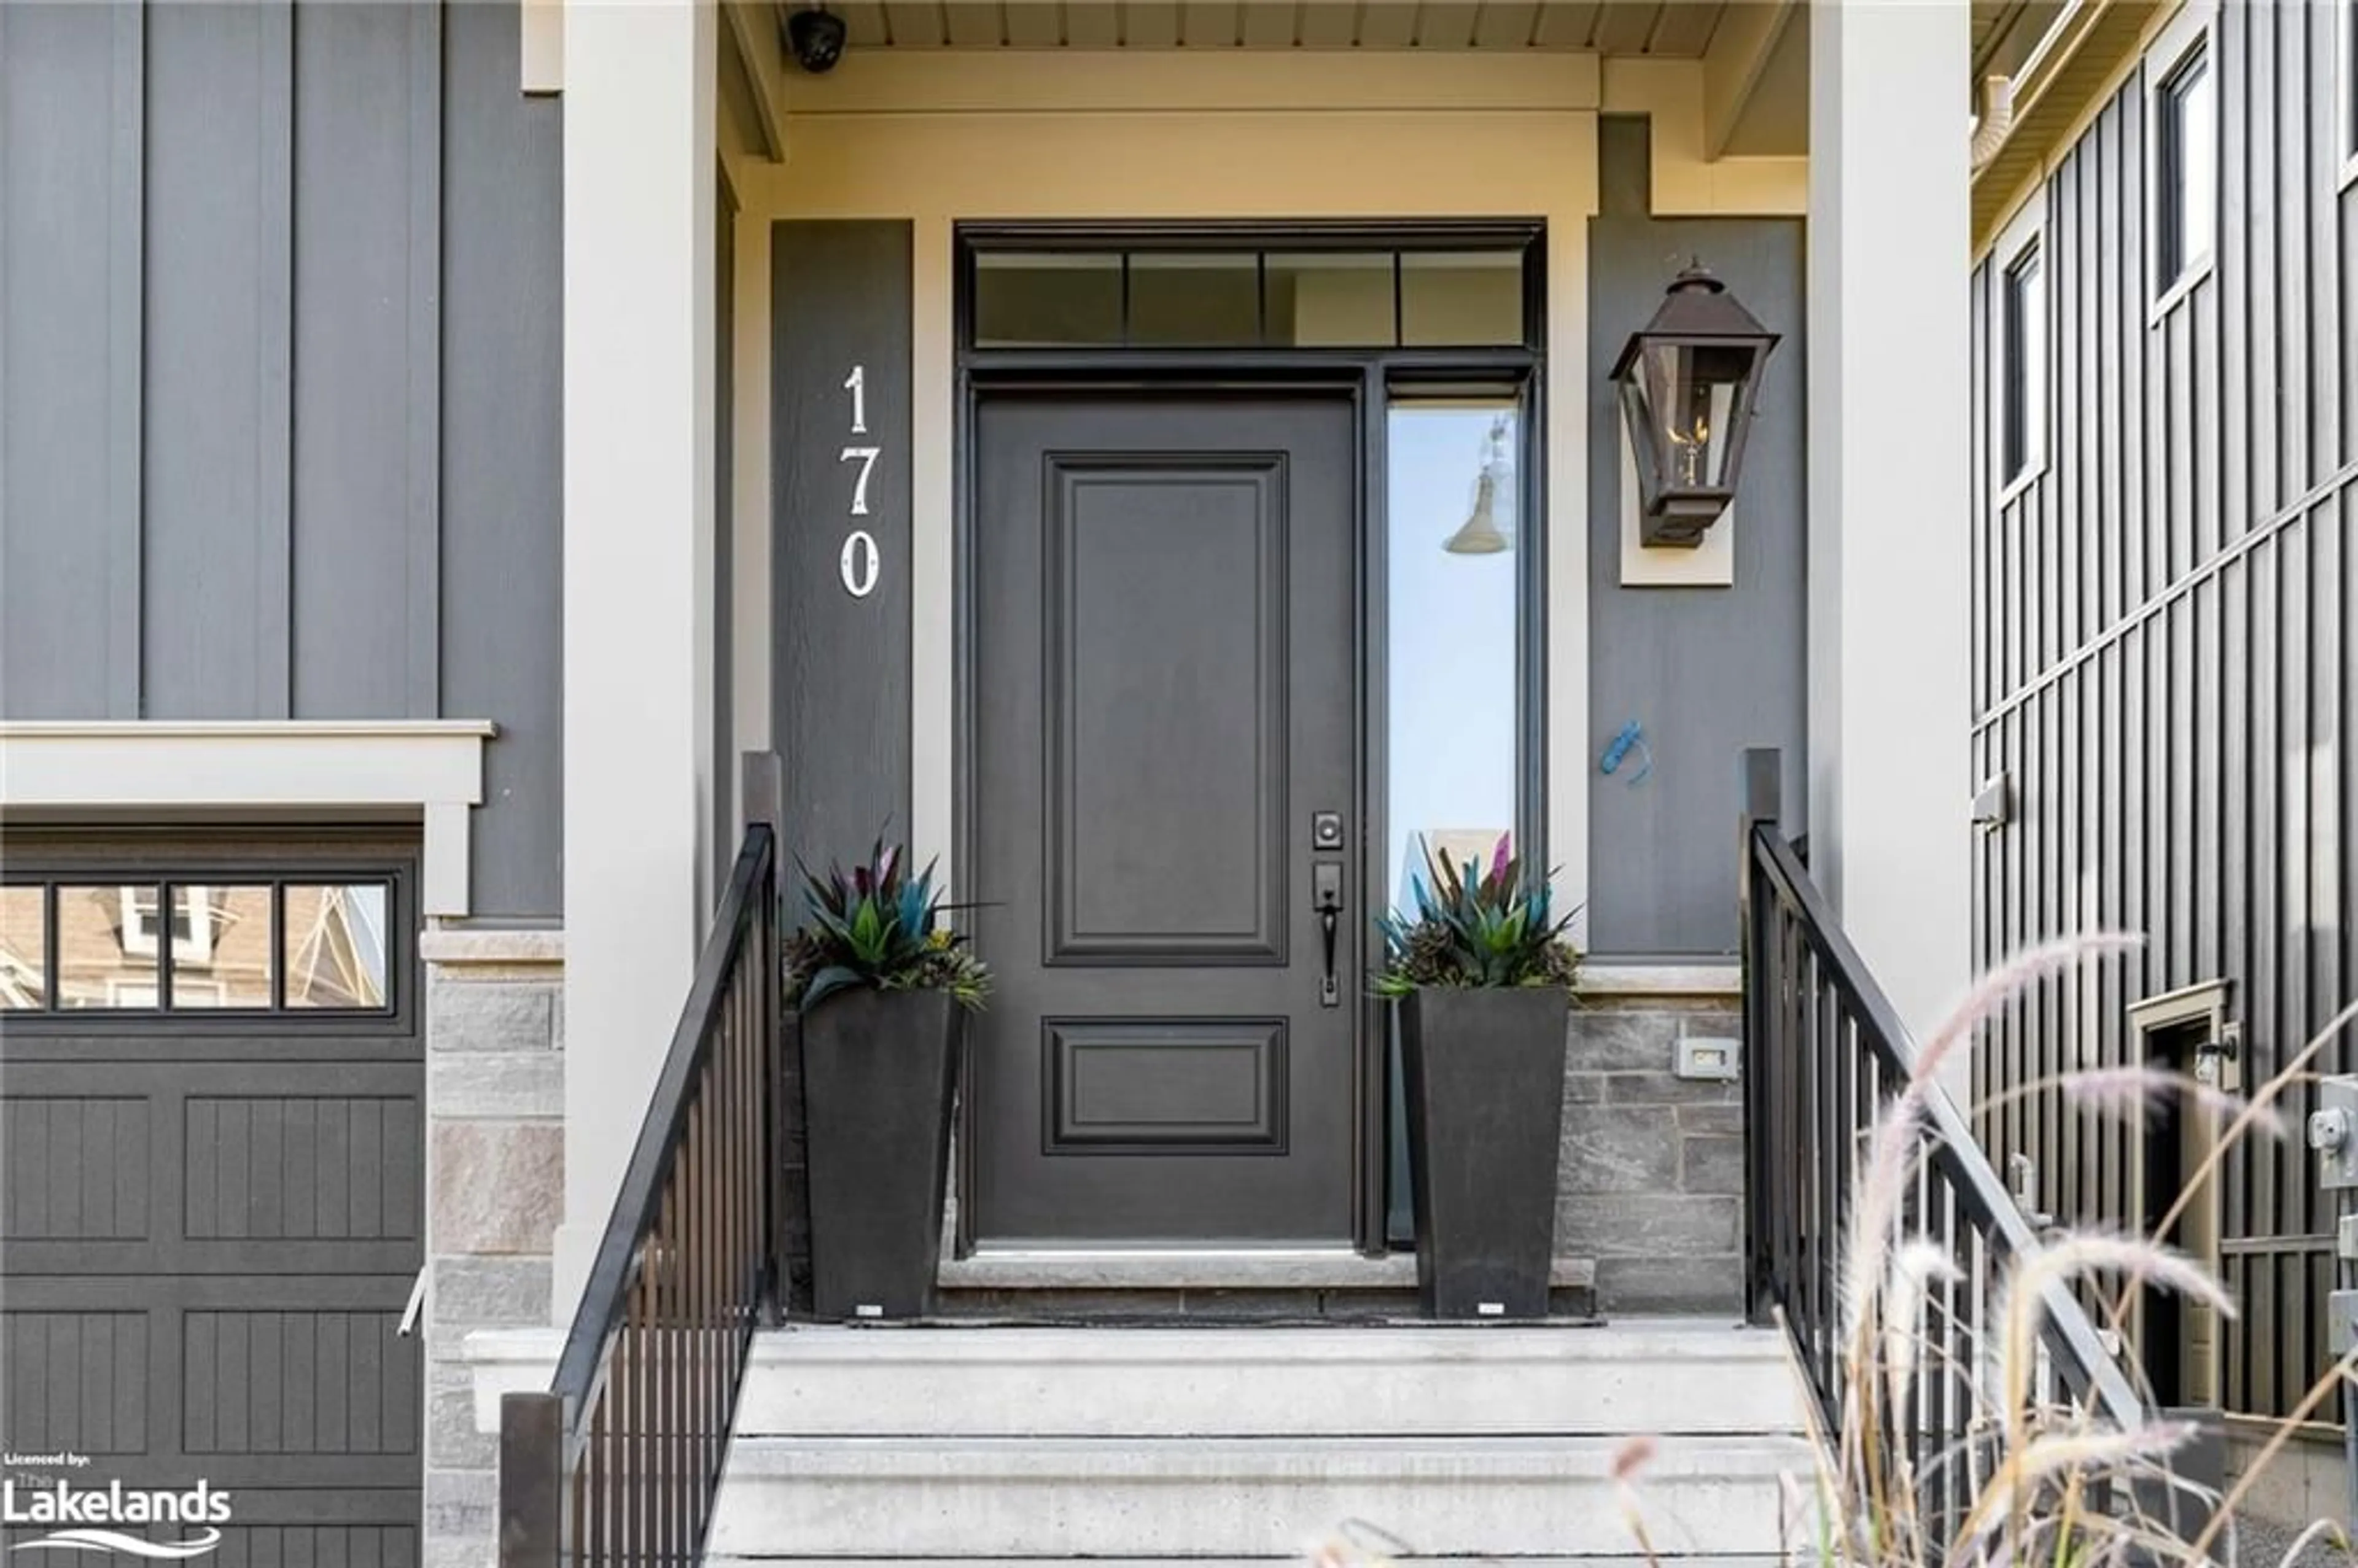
point(1688, 379)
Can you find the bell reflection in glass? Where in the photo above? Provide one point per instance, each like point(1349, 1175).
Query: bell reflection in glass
point(1484, 533)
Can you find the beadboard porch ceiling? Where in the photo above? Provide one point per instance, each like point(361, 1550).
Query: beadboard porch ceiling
point(1678, 29)
point(1672, 29)
point(1756, 61)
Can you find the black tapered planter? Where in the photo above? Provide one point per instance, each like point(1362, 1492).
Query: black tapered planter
point(879, 1070)
point(1484, 1078)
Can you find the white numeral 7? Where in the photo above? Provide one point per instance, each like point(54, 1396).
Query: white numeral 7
point(866, 457)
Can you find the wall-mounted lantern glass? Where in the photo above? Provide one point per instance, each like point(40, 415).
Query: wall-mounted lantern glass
point(1688, 379)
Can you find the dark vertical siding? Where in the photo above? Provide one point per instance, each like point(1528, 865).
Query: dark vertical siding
point(279, 294)
point(1707, 671)
point(841, 295)
point(2162, 650)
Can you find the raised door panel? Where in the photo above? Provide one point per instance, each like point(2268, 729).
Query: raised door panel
point(1166, 698)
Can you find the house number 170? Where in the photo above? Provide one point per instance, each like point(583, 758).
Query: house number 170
point(860, 562)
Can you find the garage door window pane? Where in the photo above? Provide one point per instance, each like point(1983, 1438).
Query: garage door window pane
point(335, 945)
point(106, 946)
point(222, 955)
point(24, 949)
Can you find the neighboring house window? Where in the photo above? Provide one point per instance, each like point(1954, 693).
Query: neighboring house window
point(192, 922)
point(2349, 91)
point(2023, 356)
point(2186, 166)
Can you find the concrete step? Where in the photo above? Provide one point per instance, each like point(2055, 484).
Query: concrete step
point(936, 1445)
point(1669, 1377)
point(1492, 1496)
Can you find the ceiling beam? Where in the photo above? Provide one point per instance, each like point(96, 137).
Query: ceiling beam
point(1733, 65)
point(753, 29)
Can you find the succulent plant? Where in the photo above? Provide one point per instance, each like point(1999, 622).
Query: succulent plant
point(1473, 927)
point(874, 925)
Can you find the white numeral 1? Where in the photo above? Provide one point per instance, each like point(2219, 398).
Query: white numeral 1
point(859, 564)
point(856, 383)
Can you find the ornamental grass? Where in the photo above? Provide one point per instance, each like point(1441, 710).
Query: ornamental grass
point(2049, 1481)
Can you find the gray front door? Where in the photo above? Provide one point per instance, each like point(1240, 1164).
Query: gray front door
point(1166, 735)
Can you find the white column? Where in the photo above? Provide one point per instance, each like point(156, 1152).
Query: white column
point(1888, 403)
point(639, 177)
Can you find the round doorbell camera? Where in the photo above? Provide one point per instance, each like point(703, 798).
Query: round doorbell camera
point(816, 40)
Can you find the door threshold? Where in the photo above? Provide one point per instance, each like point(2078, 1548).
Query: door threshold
point(1179, 1268)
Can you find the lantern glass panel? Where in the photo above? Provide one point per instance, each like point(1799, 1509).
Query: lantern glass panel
point(1690, 392)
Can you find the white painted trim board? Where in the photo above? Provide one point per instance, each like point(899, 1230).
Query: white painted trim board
point(434, 767)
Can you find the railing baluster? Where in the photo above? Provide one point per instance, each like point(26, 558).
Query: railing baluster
point(601, 1467)
point(647, 1384)
point(1825, 1051)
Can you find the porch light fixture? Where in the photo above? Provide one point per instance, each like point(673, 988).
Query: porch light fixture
point(1480, 535)
point(1688, 379)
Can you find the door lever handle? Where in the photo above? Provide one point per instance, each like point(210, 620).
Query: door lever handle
point(1327, 892)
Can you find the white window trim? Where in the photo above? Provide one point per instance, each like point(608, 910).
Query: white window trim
point(2194, 26)
point(431, 768)
point(2025, 232)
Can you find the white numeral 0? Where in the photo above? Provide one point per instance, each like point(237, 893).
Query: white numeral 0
point(859, 564)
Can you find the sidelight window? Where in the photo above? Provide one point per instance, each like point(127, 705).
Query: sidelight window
point(1454, 521)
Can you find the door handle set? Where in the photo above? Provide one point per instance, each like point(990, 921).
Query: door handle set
point(1326, 898)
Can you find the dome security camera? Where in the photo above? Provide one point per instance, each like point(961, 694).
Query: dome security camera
point(816, 40)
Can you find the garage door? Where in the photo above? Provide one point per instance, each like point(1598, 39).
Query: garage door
point(212, 1115)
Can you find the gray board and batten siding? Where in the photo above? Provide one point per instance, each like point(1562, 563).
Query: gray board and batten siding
point(1706, 672)
point(281, 371)
point(2163, 653)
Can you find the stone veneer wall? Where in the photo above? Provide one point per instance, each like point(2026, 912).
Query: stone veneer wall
point(1649, 1190)
point(1651, 1183)
point(495, 1192)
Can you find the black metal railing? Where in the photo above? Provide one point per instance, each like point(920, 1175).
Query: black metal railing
point(620, 1461)
point(1824, 1054)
